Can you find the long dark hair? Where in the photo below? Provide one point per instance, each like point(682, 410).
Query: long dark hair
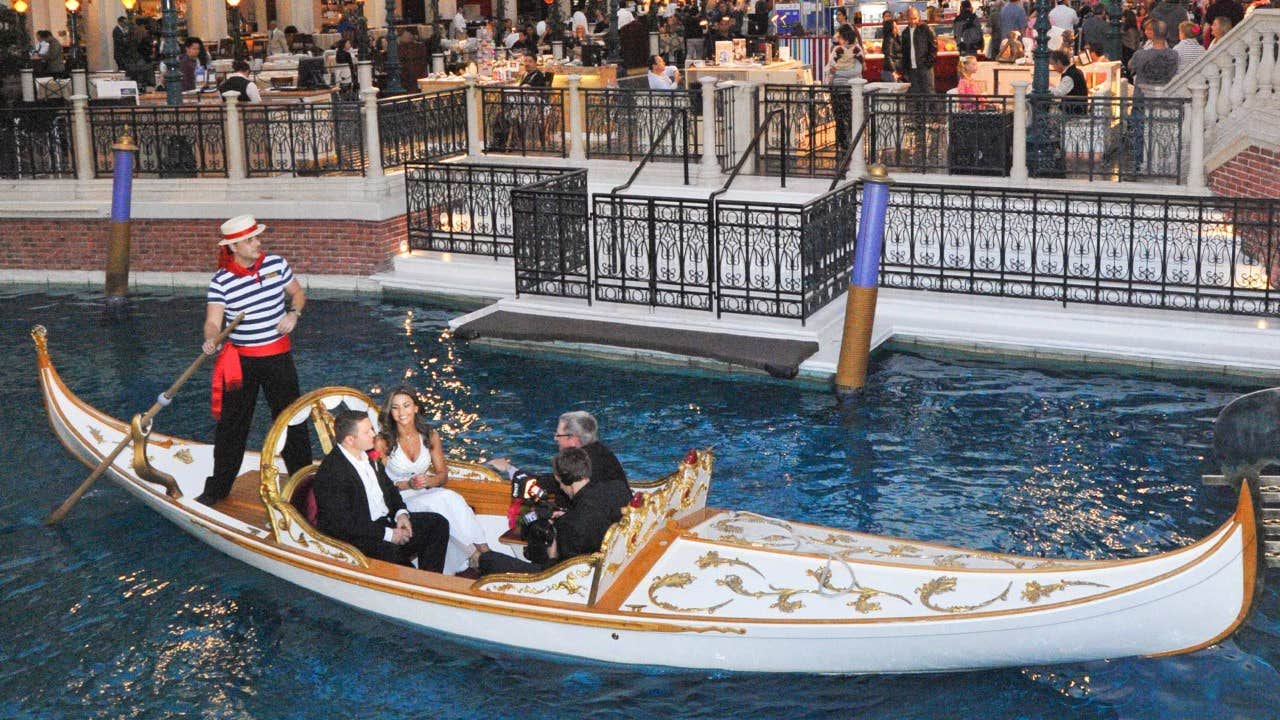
point(387, 426)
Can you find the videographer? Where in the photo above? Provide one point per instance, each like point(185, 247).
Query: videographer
point(560, 534)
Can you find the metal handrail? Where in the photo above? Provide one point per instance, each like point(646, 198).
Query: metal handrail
point(742, 160)
point(843, 166)
point(653, 146)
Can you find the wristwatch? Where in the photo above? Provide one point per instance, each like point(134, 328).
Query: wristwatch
point(295, 311)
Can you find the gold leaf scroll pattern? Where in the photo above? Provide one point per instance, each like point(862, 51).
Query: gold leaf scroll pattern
point(1035, 592)
point(184, 456)
point(785, 599)
point(571, 584)
point(946, 584)
point(303, 538)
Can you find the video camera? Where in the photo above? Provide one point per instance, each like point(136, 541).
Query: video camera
point(539, 496)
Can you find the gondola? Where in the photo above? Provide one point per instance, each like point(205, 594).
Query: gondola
point(682, 585)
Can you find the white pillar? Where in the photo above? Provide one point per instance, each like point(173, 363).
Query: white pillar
point(1195, 164)
point(1267, 67)
point(437, 63)
point(82, 137)
point(474, 144)
point(234, 131)
point(577, 122)
point(207, 20)
point(28, 85)
point(744, 123)
point(1210, 74)
point(372, 140)
point(100, 19)
point(364, 74)
point(653, 43)
point(375, 13)
point(1238, 54)
point(557, 48)
point(1018, 173)
point(710, 164)
point(1251, 71)
point(857, 163)
point(79, 83)
point(1225, 79)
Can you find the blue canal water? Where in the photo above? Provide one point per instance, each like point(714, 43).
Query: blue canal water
point(117, 614)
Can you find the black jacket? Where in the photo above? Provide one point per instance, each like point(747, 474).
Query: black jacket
point(583, 526)
point(343, 506)
point(607, 472)
point(926, 47)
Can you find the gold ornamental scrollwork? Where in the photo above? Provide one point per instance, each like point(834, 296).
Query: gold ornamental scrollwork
point(946, 584)
point(1034, 592)
point(678, 580)
point(571, 584)
point(184, 456)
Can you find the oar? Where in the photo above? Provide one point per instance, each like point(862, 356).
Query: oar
point(164, 399)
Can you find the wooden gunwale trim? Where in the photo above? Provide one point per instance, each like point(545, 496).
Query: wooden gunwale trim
point(637, 569)
point(542, 610)
point(1249, 548)
point(1075, 566)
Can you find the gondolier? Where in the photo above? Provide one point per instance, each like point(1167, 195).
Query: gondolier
point(257, 354)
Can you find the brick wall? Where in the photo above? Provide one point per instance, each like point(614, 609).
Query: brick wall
point(1255, 172)
point(324, 247)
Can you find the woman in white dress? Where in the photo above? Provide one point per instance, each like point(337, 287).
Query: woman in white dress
point(415, 464)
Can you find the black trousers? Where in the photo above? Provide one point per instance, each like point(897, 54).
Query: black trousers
point(277, 377)
point(428, 545)
point(495, 562)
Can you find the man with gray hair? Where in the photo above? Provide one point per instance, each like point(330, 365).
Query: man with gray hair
point(579, 429)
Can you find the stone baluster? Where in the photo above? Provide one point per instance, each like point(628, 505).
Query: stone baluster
point(82, 137)
point(1275, 74)
point(1195, 163)
point(1267, 66)
point(1239, 56)
point(1210, 74)
point(372, 134)
point(233, 132)
point(858, 159)
point(1225, 80)
point(474, 140)
point(28, 84)
point(710, 163)
point(577, 121)
point(1253, 57)
point(1018, 172)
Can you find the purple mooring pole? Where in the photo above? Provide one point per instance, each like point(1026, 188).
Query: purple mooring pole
point(117, 284)
point(860, 304)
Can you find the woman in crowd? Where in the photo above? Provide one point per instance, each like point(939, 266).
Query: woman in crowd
point(969, 84)
point(1130, 36)
point(888, 47)
point(415, 464)
point(844, 64)
point(1012, 48)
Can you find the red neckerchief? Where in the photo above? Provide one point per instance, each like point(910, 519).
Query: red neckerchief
point(227, 261)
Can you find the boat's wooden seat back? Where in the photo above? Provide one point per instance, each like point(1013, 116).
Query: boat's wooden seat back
point(684, 495)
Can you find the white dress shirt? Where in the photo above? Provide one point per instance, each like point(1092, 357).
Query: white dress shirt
point(1063, 16)
point(372, 490)
point(666, 81)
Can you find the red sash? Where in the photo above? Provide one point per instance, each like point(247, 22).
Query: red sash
point(227, 373)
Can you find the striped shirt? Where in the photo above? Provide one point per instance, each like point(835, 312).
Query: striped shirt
point(261, 302)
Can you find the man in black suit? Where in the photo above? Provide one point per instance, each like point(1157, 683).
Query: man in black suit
point(356, 502)
point(919, 49)
point(578, 429)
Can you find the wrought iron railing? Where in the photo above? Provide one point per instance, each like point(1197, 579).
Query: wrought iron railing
point(325, 138)
point(806, 134)
point(36, 142)
point(726, 153)
point(524, 121)
point(178, 141)
point(1138, 138)
point(654, 251)
point(465, 207)
point(422, 127)
point(625, 123)
point(959, 134)
point(550, 236)
point(1205, 254)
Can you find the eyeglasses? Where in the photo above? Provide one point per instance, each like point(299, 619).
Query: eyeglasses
point(560, 435)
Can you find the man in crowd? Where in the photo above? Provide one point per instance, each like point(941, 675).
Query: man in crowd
point(661, 75)
point(1172, 13)
point(1155, 65)
point(1071, 86)
point(579, 429)
point(919, 50)
point(1094, 28)
point(238, 81)
point(356, 502)
point(257, 354)
point(533, 77)
point(1188, 48)
point(49, 50)
point(1062, 16)
point(1220, 27)
point(122, 48)
point(277, 43)
point(580, 528)
point(188, 63)
point(1013, 16)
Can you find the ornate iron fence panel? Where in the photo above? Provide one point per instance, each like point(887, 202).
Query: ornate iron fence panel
point(464, 207)
point(36, 142)
point(654, 251)
point(422, 127)
point(1201, 254)
point(726, 150)
point(829, 232)
point(809, 134)
point(550, 238)
point(760, 264)
point(1108, 138)
point(959, 134)
point(325, 138)
point(524, 121)
point(625, 123)
point(177, 141)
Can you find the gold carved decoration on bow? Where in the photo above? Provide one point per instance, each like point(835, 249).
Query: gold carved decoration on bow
point(946, 584)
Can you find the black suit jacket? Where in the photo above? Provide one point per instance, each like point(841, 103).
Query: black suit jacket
point(343, 506)
point(536, 78)
point(926, 47)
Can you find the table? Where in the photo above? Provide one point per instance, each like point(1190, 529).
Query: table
point(269, 96)
point(792, 72)
point(53, 88)
point(945, 69)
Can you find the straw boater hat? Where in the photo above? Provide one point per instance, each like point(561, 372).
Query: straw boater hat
point(240, 227)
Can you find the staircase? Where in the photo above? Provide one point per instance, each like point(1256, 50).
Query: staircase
point(1240, 75)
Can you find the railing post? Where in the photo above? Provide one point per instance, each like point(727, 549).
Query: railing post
point(1018, 171)
point(710, 166)
point(364, 76)
point(82, 137)
point(233, 129)
point(474, 144)
point(858, 161)
point(577, 123)
point(79, 82)
point(1195, 124)
point(28, 85)
point(653, 43)
point(437, 63)
point(744, 124)
point(372, 137)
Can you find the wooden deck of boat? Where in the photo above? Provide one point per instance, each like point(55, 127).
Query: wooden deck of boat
point(245, 503)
